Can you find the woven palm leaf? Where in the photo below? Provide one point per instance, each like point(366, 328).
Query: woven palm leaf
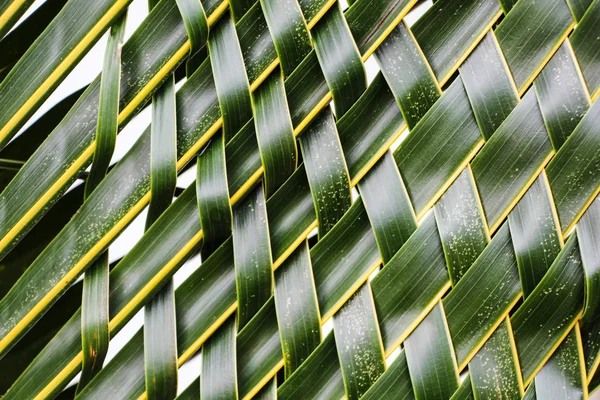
point(427, 230)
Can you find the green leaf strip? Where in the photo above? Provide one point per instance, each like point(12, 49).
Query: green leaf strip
point(572, 171)
point(160, 338)
point(548, 314)
point(326, 170)
point(231, 80)
point(473, 316)
point(546, 24)
point(535, 234)
point(495, 369)
point(339, 59)
point(562, 376)
point(160, 344)
point(218, 376)
point(388, 206)
point(213, 196)
point(358, 343)
point(319, 377)
point(196, 26)
point(562, 95)
point(489, 85)
point(463, 230)
point(415, 91)
point(289, 32)
point(430, 358)
point(394, 383)
point(274, 132)
point(252, 255)
point(502, 180)
point(94, 302)
point(298, 315)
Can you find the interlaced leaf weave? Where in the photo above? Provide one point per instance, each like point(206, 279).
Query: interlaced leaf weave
point(432, 232)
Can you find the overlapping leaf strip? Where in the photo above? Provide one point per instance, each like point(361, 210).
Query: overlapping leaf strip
point(498, 283)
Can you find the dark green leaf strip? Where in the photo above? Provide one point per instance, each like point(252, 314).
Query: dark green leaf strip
point(289, 32)
point(588, 235)
point(447, 36)
point(252, 255)
point(562, 95)
point(94, 302)
point(586, 47)
point(408, 74)
point(410, 284)
point(44, 66)
point(213, 196)
point(297, 309)
point(326, 169)
point(258, 341)
point(163, 151)
point(530, 34)
point(503, 180)
point(562, 377)
point(120, 380)
point(218, 376)
point(231, 81)
point(430, 358)
point(274, 132)
point(545, 318)
point(160, 337)
point(196, 26)
point(448, 128)
point(94, 319)
point(394, 383)
point(535, 234)
point(370, 127)
point(478, 304)
point(489, 85)
point(495, 370)
point(160, 345)
point(358, 343)
point(340, 60)
point(108, 107)
point(388, 206)
point(573, 172)
point(320, 376)
point(344, 259)
point(463, 231)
